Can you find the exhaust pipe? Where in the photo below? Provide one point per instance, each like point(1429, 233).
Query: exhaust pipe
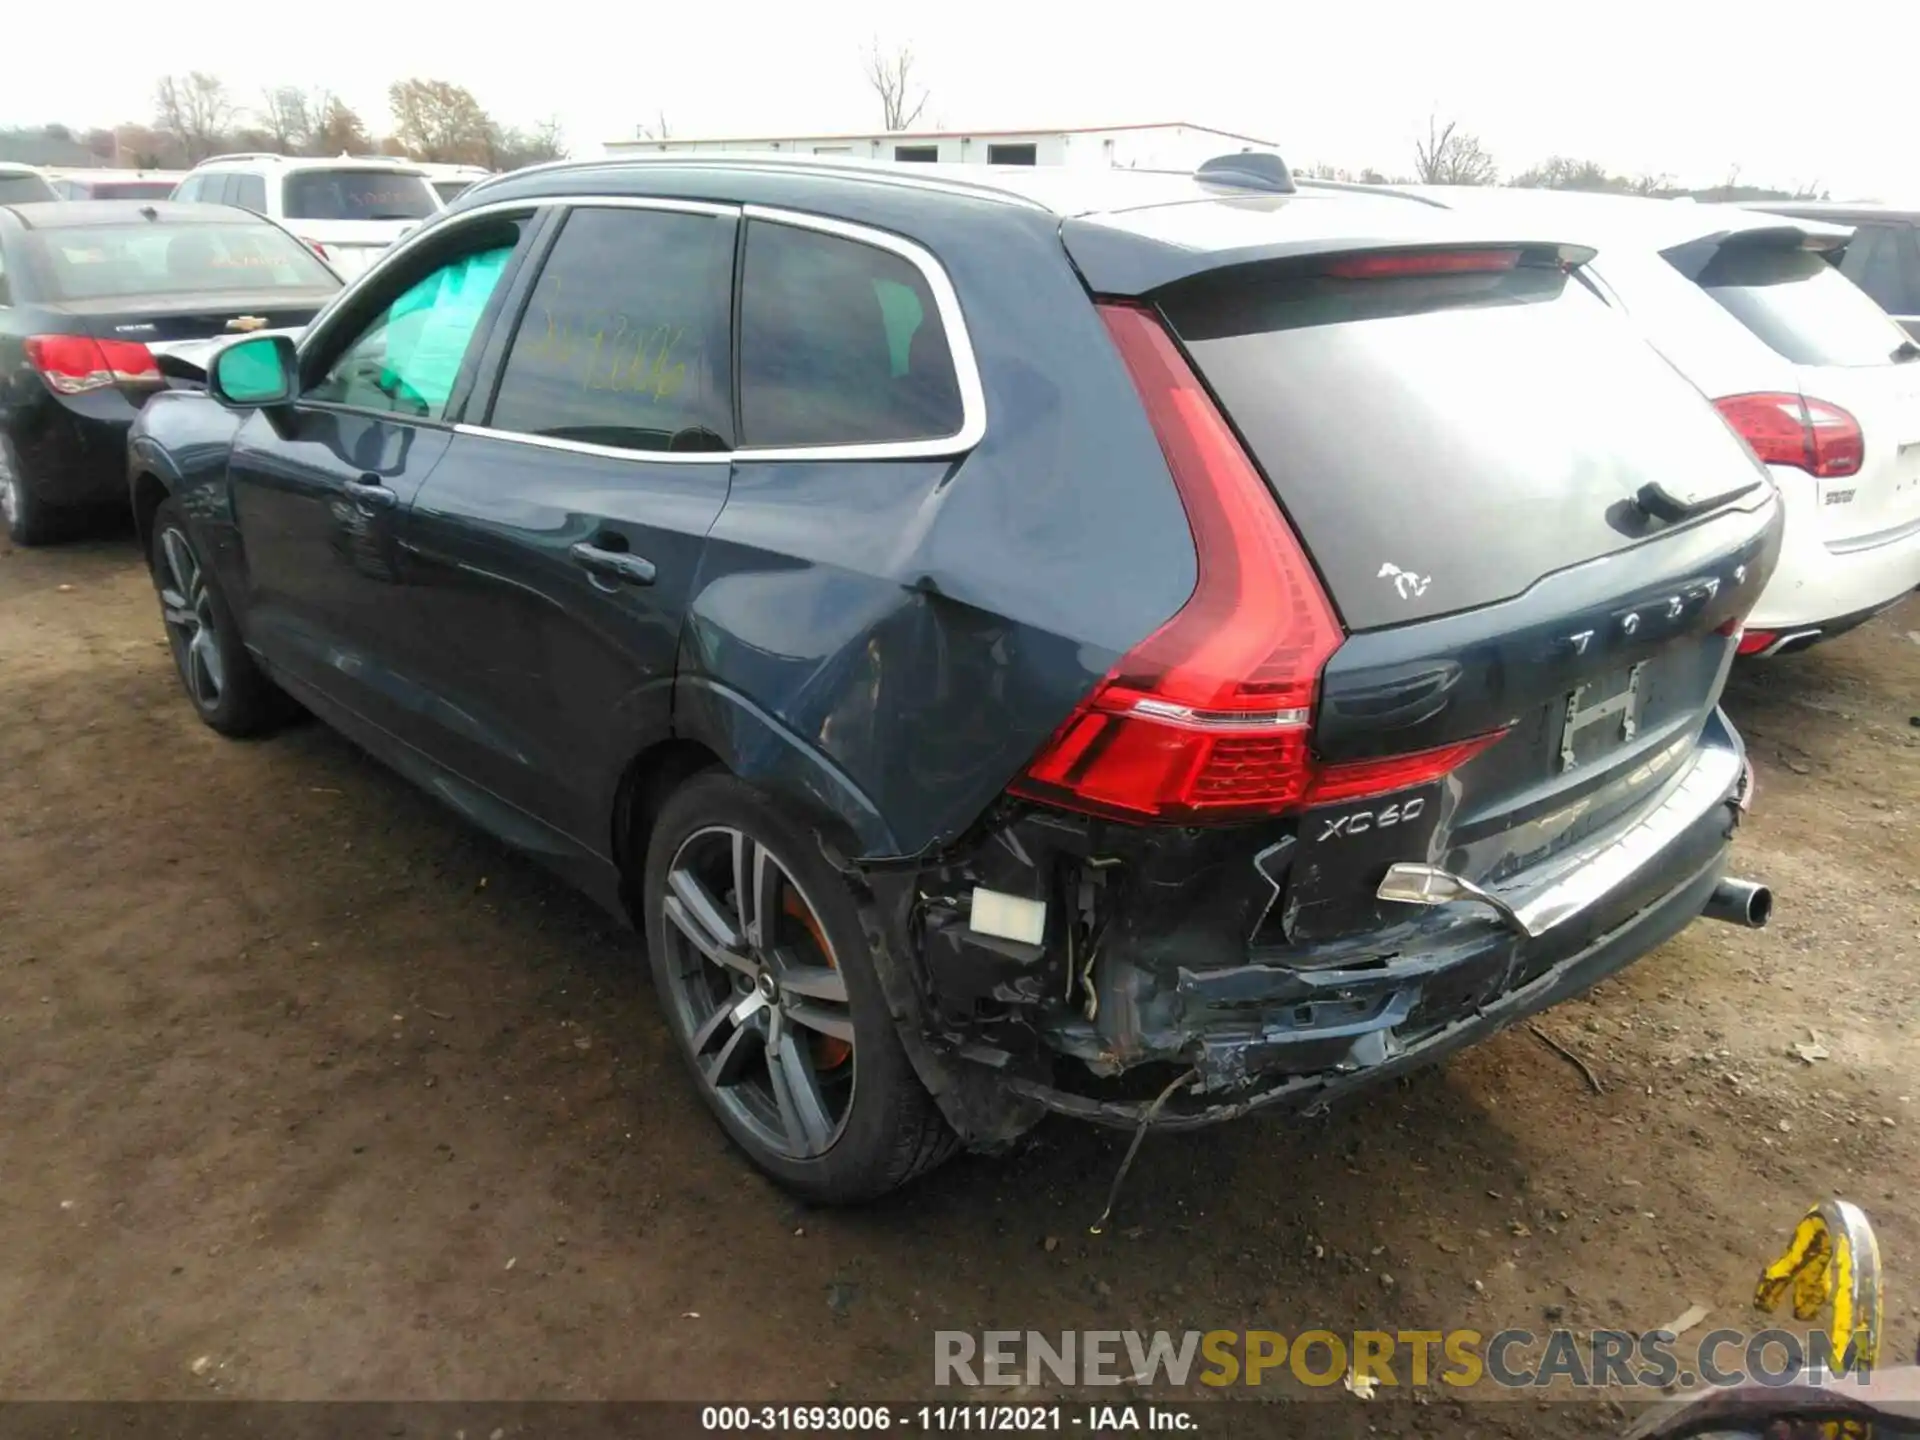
point(1740, 902)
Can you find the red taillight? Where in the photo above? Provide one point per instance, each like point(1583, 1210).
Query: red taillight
point(1355, 779)
point(1787, 429)
point(1209, 717)
point(1422, 262)
point(75, 364)
point(1754, 641)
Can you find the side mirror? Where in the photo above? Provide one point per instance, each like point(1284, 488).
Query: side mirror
point(253, 374)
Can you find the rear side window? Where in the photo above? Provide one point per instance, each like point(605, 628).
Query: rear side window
point(841, 343)
point(1803, 308)
point(626, 339)
point(249, 192)
point(1884, 261)
point(357, 195)
point(93, 262)
point(450, 190)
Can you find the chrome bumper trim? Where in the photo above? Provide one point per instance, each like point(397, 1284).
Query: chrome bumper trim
point(1591, 872)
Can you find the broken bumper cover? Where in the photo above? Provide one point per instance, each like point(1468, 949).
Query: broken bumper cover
point(1376, 1051)
point(1274, 1034)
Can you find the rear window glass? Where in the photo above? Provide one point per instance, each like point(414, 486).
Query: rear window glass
point(840, 344)
point(94, 262)
point(357, 195)
point(24, 189)
point(1803, 308)
point(1442, 442)
point(123, 189)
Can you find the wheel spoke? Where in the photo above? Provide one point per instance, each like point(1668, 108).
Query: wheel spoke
point(802, 1115)
point(816, 982)
point(698, 916)
point(180, 562)
point(757, 880)
point(173, 607)
point(828, 1022)
point(207, 645)
point(733, 1061)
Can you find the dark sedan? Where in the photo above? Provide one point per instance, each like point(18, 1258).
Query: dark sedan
point(1140, 646)
point(104, 304)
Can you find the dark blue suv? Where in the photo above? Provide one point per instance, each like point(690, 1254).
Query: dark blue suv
point(1150, 647)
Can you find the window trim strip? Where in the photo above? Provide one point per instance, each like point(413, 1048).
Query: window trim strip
point(966, 369)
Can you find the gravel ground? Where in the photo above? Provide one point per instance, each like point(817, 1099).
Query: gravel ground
point(312, 1091)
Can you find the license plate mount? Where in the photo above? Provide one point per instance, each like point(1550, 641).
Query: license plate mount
point(1601, 716)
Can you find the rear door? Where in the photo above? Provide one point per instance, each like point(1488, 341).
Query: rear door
point(555, 545)
point(321, 487)
point(1846, 352)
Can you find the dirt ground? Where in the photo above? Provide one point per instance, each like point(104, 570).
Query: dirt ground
point(309, 1090)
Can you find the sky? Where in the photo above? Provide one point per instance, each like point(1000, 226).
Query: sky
point(1789, 93)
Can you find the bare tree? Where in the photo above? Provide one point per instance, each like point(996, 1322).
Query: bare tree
point(891, 76)
point(338, 130)
point(1452, 156)
point(195, 107)
point(438, 120)
point(284, 114)
point(658, 129)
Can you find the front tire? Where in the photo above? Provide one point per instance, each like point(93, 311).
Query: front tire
point(219, 676)
point(763, 969)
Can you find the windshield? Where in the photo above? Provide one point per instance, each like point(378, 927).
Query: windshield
point(1803, 308)
point(94, 262)
point(357, 195)
point(448, 190)
point(19, 189)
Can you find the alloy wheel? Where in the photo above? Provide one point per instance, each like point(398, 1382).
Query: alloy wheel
point(759, 992)
point(187, 607)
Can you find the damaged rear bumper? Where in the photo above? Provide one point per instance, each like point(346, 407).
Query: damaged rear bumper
point(1169, 954)
point(1387, 1056)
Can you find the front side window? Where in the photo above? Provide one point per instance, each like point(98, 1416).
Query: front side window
point(357, 195)
point(626, 338)
point(190, 189)
point(406, 360)
point(841, 343)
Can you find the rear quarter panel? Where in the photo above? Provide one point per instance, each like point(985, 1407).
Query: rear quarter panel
point(892, 641)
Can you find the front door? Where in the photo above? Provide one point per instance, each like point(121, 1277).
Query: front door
point(555, 546)
point(321, 488)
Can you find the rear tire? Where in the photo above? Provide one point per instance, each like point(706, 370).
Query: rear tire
point(219, 676)
point(774, 1001)
point(28, 518)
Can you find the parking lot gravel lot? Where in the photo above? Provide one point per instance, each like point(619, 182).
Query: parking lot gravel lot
point(310, 1090)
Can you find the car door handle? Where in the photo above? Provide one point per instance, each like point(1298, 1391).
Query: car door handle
point(613, 564)
point(370, 494)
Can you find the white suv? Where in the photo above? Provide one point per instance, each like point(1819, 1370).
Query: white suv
point(347, 209)
point(1817, 378)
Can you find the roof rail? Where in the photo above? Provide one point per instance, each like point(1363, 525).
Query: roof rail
point(1248, 170)
point(240, 155)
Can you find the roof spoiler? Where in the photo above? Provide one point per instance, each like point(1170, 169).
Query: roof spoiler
point(1248, 170)
point(1693, 257)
